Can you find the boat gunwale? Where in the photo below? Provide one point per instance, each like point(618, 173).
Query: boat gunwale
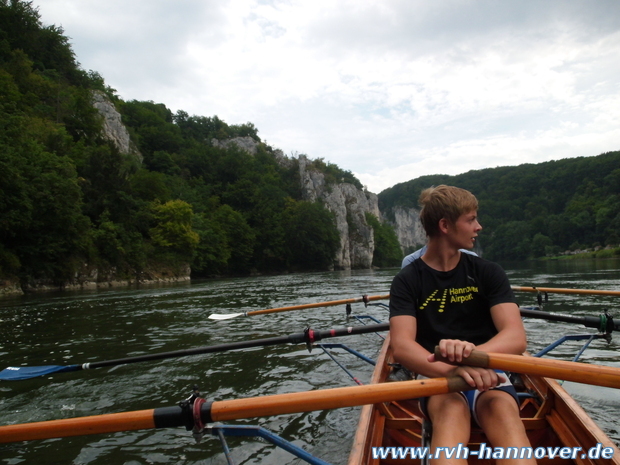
point(557, 406)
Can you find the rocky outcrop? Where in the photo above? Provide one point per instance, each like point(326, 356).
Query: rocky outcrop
point(408, 228)
point(350, 205)
point(9, 287)
point(93, 278)
point(346, 201)
point(246, 143)
point(113, 128)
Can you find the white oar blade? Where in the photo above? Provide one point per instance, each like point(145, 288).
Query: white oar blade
point(227, 316)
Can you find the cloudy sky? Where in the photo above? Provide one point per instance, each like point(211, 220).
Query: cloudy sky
point(388, 89)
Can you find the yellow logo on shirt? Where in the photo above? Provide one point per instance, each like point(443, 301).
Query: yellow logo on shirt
point(457, 295)
point(432, 298)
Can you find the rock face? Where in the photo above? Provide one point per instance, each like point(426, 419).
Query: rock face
point(113, 128)
point(350, 205)
point(408, 228)
point(10, 287)
point(347, 202)
point(93, 278)
point(246, 143)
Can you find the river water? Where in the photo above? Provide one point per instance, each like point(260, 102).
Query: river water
point(77, 327)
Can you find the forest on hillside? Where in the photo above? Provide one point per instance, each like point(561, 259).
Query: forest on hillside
point(69, 199)
point(535, 210)
point(71, 202)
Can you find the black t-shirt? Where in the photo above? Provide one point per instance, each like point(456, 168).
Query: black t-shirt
point(451, 304)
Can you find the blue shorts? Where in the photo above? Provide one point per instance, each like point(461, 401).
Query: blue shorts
point(472, 396)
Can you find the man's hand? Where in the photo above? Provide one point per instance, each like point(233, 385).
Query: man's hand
point(455, 350)
point(482, 379)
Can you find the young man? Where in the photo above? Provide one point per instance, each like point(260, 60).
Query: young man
point(459, 302)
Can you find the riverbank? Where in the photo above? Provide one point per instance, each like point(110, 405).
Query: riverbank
point(95, 279)
point(597, 253)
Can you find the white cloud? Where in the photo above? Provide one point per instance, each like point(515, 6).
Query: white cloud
point(390, 90)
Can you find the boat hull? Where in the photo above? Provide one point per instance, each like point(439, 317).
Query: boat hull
point(552, 418)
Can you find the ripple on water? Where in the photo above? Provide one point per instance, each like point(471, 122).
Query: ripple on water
point(93, 325)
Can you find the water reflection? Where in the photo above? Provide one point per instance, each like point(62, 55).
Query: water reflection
point(88, 326)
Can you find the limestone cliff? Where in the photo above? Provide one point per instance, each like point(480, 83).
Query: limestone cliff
point(246, 143)
point(408, 227)
point(350, 205)
point(90, 277)
point(113, 128)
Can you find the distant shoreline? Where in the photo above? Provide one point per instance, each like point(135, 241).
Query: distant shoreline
point(603, 253)
point(11, 287)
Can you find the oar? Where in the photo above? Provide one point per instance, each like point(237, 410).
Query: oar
point(566, 291)
point(199, 413)
point(309, 336)
point(604, 322)
point(597, 375)
point(365, 299)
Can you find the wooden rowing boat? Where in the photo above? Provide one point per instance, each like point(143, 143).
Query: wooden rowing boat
point(551, 416)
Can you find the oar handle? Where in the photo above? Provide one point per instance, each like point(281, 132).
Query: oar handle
point(566, 291)
point(597, 375)
point(200, 413)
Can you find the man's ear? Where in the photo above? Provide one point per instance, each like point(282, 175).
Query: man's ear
point(444, 224)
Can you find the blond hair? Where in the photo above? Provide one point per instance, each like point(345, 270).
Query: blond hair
point(447, 202)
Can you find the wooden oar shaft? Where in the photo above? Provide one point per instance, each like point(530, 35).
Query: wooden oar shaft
point(99, 424)
point(333, 398)
point(320, 304)
point(566, 291)
point(597, 375)
point(278, 404)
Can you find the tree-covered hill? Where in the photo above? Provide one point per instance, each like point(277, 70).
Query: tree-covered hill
point(72, 204)
point(533, 210)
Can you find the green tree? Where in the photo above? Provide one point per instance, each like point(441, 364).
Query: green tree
point(241, 239)
point(213, 251)
point(513, 241)
point(42, 226)
point(387, 251)
point(311, 235)
point(540, 245)
point(173, 228)
point(110, 241)
point(150, 186)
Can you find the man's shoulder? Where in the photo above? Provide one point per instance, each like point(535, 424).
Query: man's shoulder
point(412, 257)
point(486, 270)
point(479, 261)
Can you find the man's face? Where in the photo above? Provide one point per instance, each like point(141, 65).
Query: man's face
point(465, 230)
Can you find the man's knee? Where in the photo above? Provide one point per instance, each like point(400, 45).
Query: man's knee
point(496, 405)
point(448, 407)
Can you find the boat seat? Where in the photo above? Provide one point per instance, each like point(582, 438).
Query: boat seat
point(410, 425)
